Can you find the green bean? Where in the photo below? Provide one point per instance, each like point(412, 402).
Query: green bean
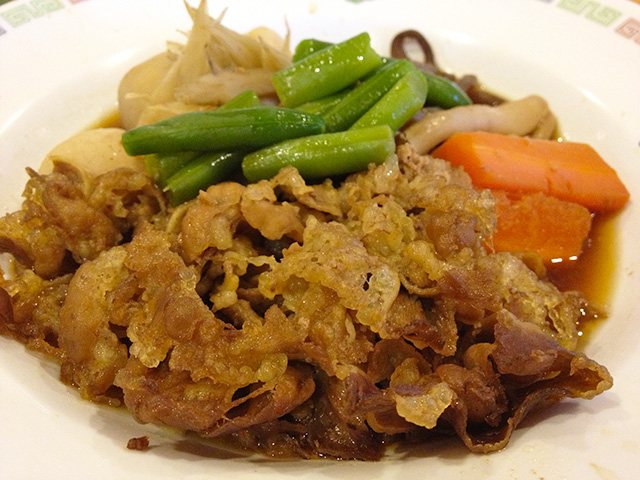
point(308, 46)
point(359, 100)
point(246, 99)
point(311, 45)
point(221, 130)
point(200, 173)
point(399, 104)
point(323, 155)
point(326, 71)
point(322, 105)
point(161, 166)
point(444, 93)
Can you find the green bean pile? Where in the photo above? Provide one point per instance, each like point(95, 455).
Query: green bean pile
point(340, 105)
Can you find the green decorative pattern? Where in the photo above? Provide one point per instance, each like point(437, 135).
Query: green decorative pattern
point(594, 11)
point(23, 13)
point(15, 13)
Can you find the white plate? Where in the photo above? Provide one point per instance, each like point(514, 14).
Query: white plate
point(60, 62)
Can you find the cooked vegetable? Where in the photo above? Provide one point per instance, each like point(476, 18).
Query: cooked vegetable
point(308, 46)
point(161, 166)
point(555, 229)
point(246, 129)
point(246, 99)
point(93, 151)
point(323, 155)
point(214, 65)
point(359, 100)
point(200, 173)
point(326, 71)
point(529, 116)
point(322, 105)
point(399, 104)
point(566, 170)
point(444, 93)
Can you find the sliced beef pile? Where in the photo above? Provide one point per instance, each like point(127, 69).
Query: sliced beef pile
point(306, 320)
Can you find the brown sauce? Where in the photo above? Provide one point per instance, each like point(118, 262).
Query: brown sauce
point(593, 273)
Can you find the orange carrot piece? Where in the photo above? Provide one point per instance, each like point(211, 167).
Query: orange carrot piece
point(554, 228)
point(566, 170)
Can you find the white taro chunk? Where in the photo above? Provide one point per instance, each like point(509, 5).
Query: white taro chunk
point(93, 152)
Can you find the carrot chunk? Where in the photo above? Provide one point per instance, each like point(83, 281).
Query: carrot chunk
point(555, 229)
point(566, 170)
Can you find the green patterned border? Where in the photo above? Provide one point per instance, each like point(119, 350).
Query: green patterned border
point(591, 10)
point(606, 16)
point(15, 13)
point(24, 13)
